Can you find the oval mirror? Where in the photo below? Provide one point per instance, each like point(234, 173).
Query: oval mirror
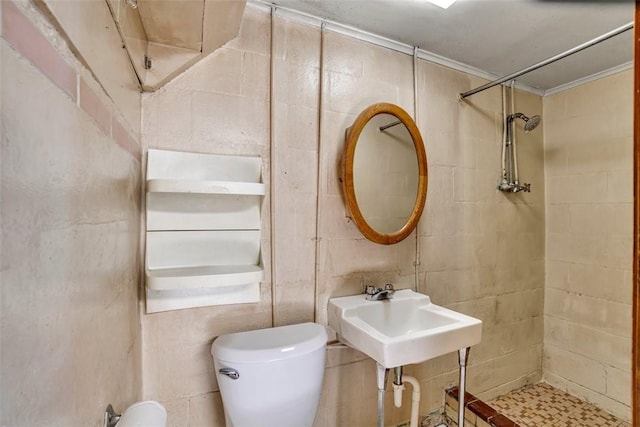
point(384, 173)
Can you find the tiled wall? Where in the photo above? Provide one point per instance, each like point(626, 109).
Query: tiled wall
point(96, 39)
point(480, 252)
point(219, 106)
point(70, 211)
point(589, 170)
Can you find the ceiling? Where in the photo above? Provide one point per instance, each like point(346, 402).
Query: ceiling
point(495, 36)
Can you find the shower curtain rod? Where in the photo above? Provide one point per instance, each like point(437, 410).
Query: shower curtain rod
point(548, 61)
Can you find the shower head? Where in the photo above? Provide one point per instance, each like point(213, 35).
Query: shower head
point(530, 123)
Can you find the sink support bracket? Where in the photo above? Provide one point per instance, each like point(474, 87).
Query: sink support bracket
point(463, 355)
point(383, 374)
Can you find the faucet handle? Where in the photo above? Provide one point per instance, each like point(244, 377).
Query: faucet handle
point(370, 290)
point(388, 287)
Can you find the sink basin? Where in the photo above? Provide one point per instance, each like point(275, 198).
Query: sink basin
point(404, 330)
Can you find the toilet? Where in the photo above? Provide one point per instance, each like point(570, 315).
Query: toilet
point(271, 377)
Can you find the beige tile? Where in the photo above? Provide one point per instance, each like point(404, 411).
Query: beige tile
point(556, 158)
point(345, 55)
point(296, 172)
point(575, 368)
point(384, 64)
point(255, 75)
point(340, 383)
point(32, 44)
point(195, 376)
point(441, 184)
point(620, 186)
point(589, 279)
point(295, 42)
point(255, 32)
point(575, 248)
point(608, 154)
point(610, 349)
point(73, 238)
point(177, 412)
point(596, 187)
point(219, 72)
point(595, 151)
point(102, 50)
point(297, 84)
point(618, 385)
point(298, 127)
point(610, 218)
point(465, 185)
point(206, 410)
point(246, 133)
point(171, 115)
point(295, 303)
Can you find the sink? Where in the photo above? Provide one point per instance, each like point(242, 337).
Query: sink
point(404, 330)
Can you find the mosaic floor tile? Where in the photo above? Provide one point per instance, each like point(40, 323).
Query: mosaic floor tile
point(542, 405)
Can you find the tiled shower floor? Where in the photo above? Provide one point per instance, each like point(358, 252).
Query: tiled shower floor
point(542, 405)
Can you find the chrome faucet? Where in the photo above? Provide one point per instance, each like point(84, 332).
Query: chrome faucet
point(379, 294)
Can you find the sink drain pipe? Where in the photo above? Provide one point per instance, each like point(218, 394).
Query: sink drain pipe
point(398, 387)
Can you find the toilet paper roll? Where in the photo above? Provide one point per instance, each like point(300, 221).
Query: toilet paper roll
point(144, 414)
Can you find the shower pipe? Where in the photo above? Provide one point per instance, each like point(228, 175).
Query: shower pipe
point(512, 93)
point(548, 61)
point(635, 363)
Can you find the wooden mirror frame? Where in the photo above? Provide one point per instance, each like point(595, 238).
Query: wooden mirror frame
point(352, 136)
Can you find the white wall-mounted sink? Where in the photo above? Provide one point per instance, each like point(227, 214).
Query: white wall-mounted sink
point(404, 330)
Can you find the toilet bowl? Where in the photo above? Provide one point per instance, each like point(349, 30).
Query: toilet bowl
point(271, 377)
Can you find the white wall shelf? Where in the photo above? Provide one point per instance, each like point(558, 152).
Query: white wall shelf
point(203, 277)
point(203, 230)
point(204, 187)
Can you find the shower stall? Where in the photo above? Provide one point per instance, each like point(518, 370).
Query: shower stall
point(587, 241)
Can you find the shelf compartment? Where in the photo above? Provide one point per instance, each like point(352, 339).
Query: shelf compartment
point(194, 249)
point(196, 211)
point(178, 299)
point(205, 187)
point(183, 166)
point(203, 277)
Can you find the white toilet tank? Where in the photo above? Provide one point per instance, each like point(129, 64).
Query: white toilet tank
point(271, 377)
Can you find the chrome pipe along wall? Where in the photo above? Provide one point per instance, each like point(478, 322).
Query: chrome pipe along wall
point(509, 180)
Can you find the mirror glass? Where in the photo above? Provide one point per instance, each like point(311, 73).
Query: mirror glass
point(385, 173)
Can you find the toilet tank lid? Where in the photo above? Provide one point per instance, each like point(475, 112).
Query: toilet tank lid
point(271, 344)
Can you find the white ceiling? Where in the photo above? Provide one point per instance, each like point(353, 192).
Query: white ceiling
point(496, 36)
